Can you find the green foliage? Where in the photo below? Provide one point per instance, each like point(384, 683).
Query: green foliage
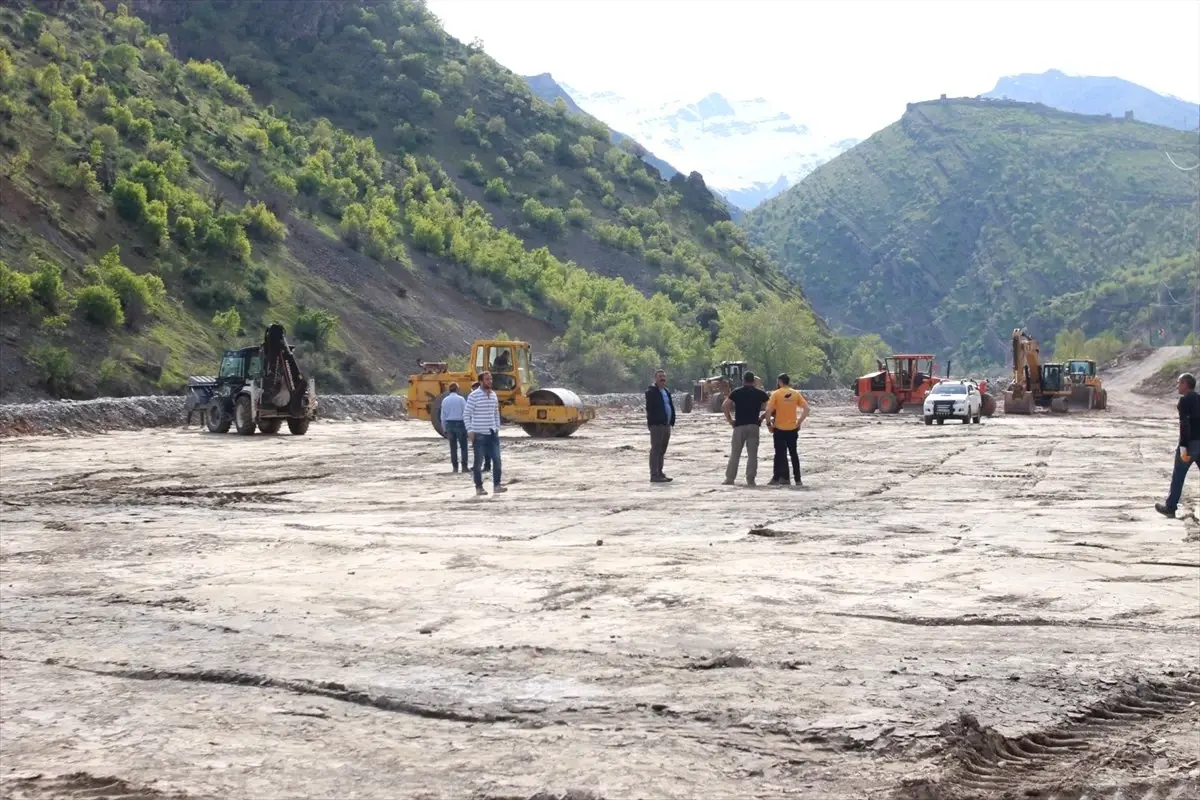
point(1072, 343)
point(548, 219)
point(316, 326)
point(99, 305)
point(966, 219)
point(137, 294)
point(228, 324)
point(16, 289)
point(262, 224)
point(778, 336)
point(55, 365)
point(496, 190)
point(47, 286)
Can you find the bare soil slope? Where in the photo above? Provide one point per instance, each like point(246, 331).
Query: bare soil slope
point(964, 611)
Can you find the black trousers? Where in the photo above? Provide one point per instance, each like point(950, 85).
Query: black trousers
point(785, 448)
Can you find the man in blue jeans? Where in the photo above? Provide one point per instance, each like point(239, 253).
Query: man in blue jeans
point(482, 418)
point(1188, 449)
point(453, 406)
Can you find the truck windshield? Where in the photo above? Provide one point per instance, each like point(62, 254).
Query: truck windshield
point(956, 388)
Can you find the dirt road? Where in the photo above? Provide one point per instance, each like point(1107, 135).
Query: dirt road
point(957, 611)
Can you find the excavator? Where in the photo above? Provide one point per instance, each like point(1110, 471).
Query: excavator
point(541, 413)
point(1049, 384)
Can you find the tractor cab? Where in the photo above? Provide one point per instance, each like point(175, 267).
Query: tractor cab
point(732, 371)
point(1079, 368)
point(909, 371)
point(507, 361)
point(239, 367)
point(1053, 377)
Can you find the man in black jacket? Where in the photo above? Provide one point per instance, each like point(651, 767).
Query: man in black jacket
point(1188, 449)
point(660, 418)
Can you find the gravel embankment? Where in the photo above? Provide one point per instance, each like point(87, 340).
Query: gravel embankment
point(131, 413)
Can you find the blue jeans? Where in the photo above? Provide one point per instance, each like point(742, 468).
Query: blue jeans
point(456, 432)
point(487, 445)
point(1181, 471)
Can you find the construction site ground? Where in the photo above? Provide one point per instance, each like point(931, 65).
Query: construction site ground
point(989, 610)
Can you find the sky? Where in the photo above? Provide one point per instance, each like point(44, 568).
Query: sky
point(846, 67)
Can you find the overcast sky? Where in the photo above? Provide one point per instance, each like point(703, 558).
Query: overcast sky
point(847, 67)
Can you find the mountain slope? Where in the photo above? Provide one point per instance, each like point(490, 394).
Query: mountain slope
point(382, 189)
point(969, 217)
point(747, 149)
point(1095, 95)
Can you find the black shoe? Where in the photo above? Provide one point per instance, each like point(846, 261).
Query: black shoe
point(660, 479)
point(1164, 510)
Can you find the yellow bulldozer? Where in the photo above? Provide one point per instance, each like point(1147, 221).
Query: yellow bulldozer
point(712, 391)
point(541, 413)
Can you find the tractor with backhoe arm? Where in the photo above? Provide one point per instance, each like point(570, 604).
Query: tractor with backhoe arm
point(541, 413)
point(255, 387)
point(713, 390)
point(1052, 385)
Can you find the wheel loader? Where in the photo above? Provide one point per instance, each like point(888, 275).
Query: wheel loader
point(255, 387)
point(1052, 385)
point(712, 391)
point(541, 413)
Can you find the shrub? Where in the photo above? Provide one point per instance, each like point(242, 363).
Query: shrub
point(262, 224)
point(228, 323)
point(100, 306)
point(15, 288)
point(316, 326)
point(47, 286)
point(496, 190)
point(56, 366)
point(129, 199)
point(472, 170)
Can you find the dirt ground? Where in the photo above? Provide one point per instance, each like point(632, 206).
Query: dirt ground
point(945, 612)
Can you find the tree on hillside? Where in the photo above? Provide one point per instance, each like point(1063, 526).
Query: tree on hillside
point(779, 336)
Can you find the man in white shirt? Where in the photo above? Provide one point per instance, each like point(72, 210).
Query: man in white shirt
point(453, 407)
point(482, 419)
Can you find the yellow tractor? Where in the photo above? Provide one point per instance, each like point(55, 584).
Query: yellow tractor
point(1087, 388)
point(542, 413)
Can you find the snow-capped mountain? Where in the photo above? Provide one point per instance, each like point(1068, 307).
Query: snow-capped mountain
point(746, 149)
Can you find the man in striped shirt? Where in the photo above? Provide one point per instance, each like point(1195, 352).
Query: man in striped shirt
point(482, 418)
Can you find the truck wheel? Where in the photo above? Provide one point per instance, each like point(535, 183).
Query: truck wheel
point(269, 426)
point(928, 420)
point(298, 427)
point(243, 416)
point(217, 420)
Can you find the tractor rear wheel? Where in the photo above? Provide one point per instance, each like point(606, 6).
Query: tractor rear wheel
point(298, 427)
point(715, 400)
point(889, 403)
point(1103, 400)
point(687, 404)
point(243, 416)
point(867, 403)
point(269, 426)
point(988, 405)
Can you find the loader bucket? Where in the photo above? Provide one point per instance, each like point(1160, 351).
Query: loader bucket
point(1018, 405)
point(1083, 398)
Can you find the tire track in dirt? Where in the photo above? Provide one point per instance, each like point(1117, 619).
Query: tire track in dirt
point(1000, 622)
point(84, 786)
point(1060, 762)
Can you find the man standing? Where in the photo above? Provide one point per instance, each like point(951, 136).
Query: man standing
point(1188, 450)
point(482, 418)
point(453, 406)
point(487, 457)
point(660, 418)
point(746, 403)
point(786, 411)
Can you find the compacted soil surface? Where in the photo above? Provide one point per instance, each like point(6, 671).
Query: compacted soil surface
point(954, 611)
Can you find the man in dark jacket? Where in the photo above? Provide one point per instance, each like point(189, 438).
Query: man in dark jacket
point(1188, 449)
point(660, 418)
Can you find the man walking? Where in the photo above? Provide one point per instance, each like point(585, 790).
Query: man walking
point(746, 402)
point(786, 411)
point(482, 418)
point(660, 418)
point(1188, 450)
point(453, 406)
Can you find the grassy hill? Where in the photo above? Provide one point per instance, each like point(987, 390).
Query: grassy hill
point(967, 218)
point(350, 170)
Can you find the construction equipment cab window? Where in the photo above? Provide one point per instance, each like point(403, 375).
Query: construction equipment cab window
point(509, 366)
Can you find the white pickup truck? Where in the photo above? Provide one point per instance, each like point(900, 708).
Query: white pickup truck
point(953, 400)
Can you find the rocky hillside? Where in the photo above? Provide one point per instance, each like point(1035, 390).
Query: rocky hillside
point(176, 174)
point(1089, 94)
point(748, 150)
point(969, 217)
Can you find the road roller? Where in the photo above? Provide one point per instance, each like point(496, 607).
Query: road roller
point(541, 413)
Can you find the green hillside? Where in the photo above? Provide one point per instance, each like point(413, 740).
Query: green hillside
point(967, 218)
point(350, 170)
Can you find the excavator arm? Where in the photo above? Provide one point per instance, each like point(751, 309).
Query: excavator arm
point(1027, 362)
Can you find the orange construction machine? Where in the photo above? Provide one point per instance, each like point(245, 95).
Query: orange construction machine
point(903, 380)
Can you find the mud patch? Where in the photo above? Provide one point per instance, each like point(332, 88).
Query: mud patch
point(723, 661)
point(84, 786)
